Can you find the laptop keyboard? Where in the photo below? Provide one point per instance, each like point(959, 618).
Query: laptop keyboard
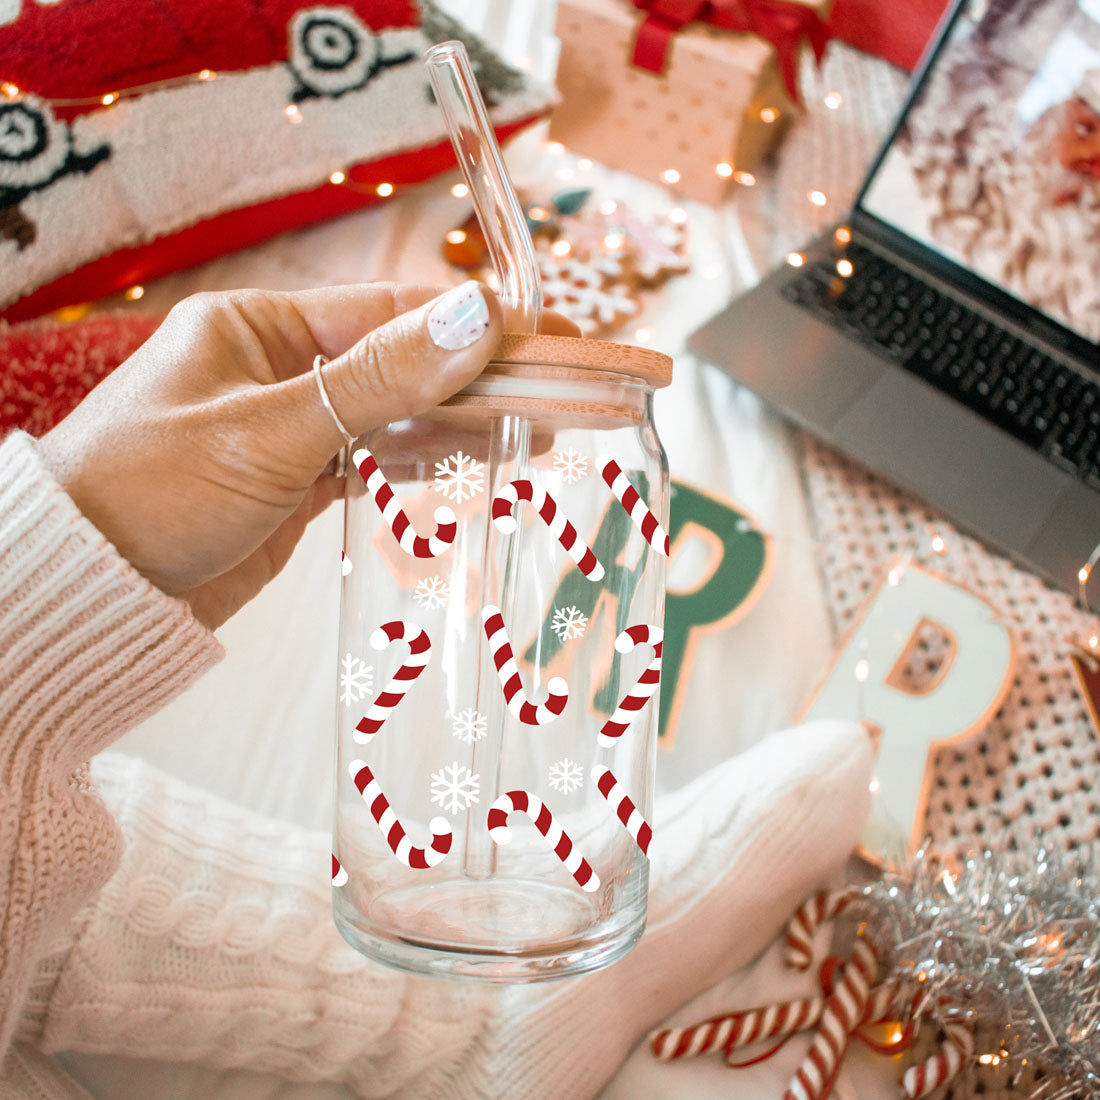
point(1017, 386)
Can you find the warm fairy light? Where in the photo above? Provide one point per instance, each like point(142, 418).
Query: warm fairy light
point(538, 214)
point(608, 206)
point(922, 975)
point(795, 259)
point(842, 235)
point(938, 545)
point(555, 148)
point(385, 189)
point(712, 271)
point(337, 178)
point(643, 336)
point(1083, 574)
point(896, 1035)
point(564, 173)
point(833, 100)
point(844, 267)
point(670, 175)
point(207, 74)
point(584, 164)
point(135, 292)
point(456, 236)
point(109, 98)
point(873, 786)
point(989, 1059)
point(613, 241)
point(1094, 641)
point(292, 112)
point(746, 179)
point(818, 198)
point(492, 280)
point(9, 89)
point(677, 215)
point(893, 578)
point(769, 114)
point(68, 314)
point(460, 190)
point(561, 248)
point(863, 670)
point(724, 169)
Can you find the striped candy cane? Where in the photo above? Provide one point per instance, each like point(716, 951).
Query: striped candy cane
point(345, 564)
point(530, 714)
point(552, 516)
point(643, 689)
point(812, 914)
point(525, 802)
point(631, 500)
point(420, 651)
point(339, 875)
point(841, 1015)
point(944, 1065)
point(446, 527)
point(416, 858)
point(625, 810)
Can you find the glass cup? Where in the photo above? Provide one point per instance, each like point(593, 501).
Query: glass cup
point(500, 640)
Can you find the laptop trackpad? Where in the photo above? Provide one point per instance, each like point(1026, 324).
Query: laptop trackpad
point(975, 473)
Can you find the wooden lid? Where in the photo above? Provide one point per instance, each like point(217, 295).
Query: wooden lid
point(651, 367)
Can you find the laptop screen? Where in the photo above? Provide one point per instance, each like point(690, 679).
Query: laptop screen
point(996, 162)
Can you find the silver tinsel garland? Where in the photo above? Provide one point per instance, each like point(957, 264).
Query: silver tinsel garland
point(1010, 943)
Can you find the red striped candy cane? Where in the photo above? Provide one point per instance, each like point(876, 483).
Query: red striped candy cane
point(625, 810)
point(420, 652)
point(525, 802)
point(812, 914)
point(446, 527)
point(644, 687)
point(530, 714)
point(416, 858)
point(632, 502)
point(552, 516)
point(345, 564)
point(944, 1065)
point(339, 875)
point(841, 1015)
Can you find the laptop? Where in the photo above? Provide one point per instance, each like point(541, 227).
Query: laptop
point(947, 334)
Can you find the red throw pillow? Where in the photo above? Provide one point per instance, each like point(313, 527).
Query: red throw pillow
point(898, 32)
point(139, 138)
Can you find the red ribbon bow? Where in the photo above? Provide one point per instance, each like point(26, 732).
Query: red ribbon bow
point(783, 23)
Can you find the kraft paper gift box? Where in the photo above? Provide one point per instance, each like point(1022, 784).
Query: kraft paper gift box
point(718, 101)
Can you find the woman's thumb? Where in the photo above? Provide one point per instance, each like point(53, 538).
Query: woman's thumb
point(401, 368)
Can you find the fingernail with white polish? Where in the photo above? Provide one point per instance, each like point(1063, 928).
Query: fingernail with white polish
point(459, 317)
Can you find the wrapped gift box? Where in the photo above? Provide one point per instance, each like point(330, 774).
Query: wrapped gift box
point(719, 105)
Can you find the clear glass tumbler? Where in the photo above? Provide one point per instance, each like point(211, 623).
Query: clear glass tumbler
point(500, 642)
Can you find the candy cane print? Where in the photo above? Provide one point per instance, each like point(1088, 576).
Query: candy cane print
point(632, 502)
point(552, 516)
point(811, 915)
point(420, 651)
point(511, 681)
point(644, 686)
point(345, 564)
point(446, 526)
point(339, 875)
point(942, 1066)
point(525, 802)
point(841, 1015)
point(625, 810)
point(416, 858)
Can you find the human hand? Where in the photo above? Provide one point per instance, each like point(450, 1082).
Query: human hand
point(202, 457)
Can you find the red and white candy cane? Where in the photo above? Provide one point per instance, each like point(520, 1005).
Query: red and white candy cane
point(644, 687)
point(552, 516)
point(515, 696)
point(920, 1080)
point(632, 502)
point(420, 652)
point(625, 810)
point(813, 913)
point(339, 875)
point(524, 802)
point(841, 1015)
point(416, 858)
point(446, 526)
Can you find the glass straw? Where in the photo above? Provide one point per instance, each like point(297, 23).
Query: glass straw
point(498, 209)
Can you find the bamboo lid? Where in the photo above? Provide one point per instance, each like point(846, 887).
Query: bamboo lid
point(652, 367)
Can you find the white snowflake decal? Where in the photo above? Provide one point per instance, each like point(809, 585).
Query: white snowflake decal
point(356, 680)
point(568, 623)
point(431, 593)
point(566, 776)
point(469, 725)
point(455, 788)
point(571, 464)
point(459, 477)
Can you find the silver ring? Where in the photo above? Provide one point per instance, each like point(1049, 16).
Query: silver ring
point(318, 363)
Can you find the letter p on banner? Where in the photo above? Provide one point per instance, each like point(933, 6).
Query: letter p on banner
point(911, 723)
